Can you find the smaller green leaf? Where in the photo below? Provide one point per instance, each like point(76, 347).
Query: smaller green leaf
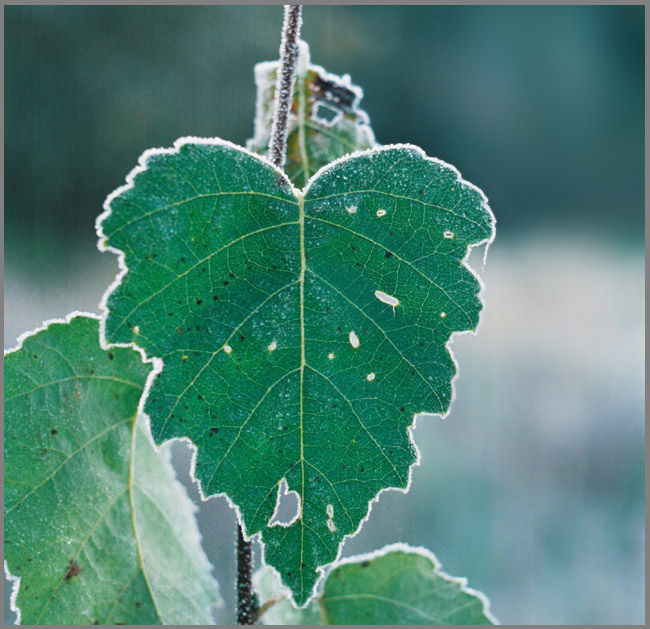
point(326, 121)
point(97, 528)
point(400, 585)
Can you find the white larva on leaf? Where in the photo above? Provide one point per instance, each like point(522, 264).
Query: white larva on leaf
point(227, 349)
point(387, 299)
point(370, 377)
point(354, 339)
point(272, 346)
point(381, 213)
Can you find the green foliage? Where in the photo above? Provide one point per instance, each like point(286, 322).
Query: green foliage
point(96, 526)
point(399, 586)
point(301, 331)
point(326, 121)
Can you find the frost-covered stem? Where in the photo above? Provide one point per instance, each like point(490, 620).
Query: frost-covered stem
point(246, 606)
point(284, 85)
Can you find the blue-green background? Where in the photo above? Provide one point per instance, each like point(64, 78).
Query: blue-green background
point(533, 486)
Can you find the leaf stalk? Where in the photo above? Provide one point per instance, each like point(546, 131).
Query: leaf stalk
point(285, 82)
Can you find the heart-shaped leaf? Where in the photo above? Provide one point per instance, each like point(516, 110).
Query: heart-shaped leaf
point(400, 585)
point(301, 331)
point(96, 526)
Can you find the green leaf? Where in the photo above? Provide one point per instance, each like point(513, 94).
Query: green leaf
point(300, 331)
point(96, 526)
point(400, 585)
point(326, 121)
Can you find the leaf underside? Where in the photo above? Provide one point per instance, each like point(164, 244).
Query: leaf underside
point(96, 525)
point(325, 121)
point(400, 586)
point(300, 331)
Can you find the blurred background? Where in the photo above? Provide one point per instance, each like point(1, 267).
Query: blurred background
point(533, 487)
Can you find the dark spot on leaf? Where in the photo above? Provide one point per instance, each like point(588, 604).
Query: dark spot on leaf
point(401, 408)
point(365, 564)
point(199, 302)
point(110, 356)
point(225, 283)
point(138, 603)
point(215, 298)
point(199, 396)
point(72, 570)
point(182, 259)
point(170, 314)
point(242, 338)
point(54, 431)
point(388, 254)
point(231, 274)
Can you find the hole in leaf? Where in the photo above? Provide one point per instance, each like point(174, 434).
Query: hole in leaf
point(287, 507)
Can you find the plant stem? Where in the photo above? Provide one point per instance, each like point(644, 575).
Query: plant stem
point(247, 611)
point(246, 606)
point(284, 85)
